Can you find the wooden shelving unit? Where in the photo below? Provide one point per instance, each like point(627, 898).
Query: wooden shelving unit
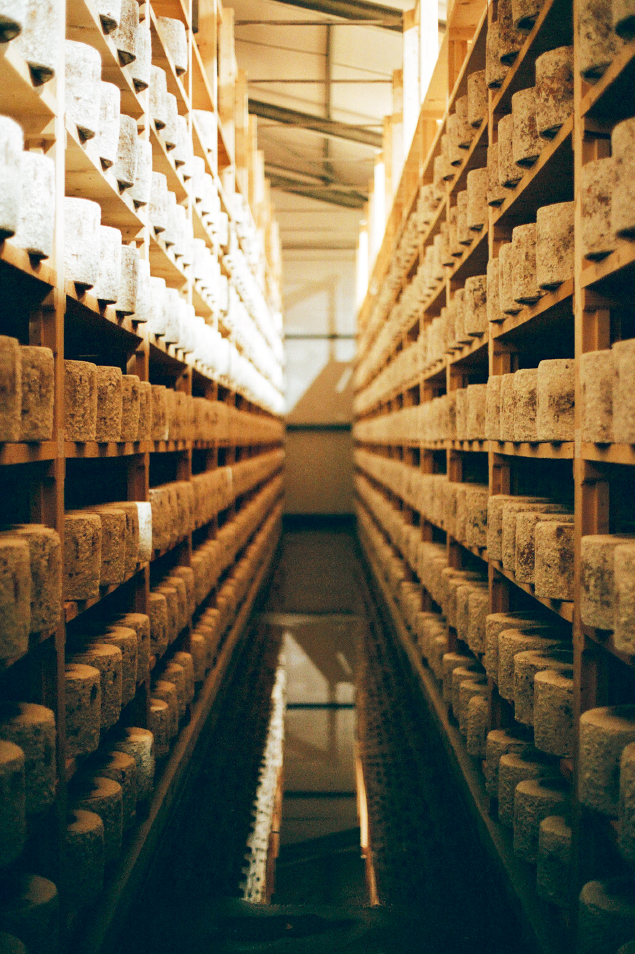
point(592, 479)
point(40, 480)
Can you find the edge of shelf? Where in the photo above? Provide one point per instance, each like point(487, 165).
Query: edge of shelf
point(74, 608)
point(519, 877)
point(117, 896)
point(613, 72)
point(19, 258)
point(528, 314)
point(551, 149)
point(608, 453)
point(562, 608)
point(28, 453)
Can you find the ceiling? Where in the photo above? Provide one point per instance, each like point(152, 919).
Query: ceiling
point(308, 67)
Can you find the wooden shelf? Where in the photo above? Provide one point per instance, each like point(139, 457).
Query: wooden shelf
point(199, 226)
point(433, 305)
point(99, 932)
point(225, 152)
point(480, 447)
point(165, 356)
point(89, 450)
point(202, 93)
point(158, 554)
point(200, 302)
point(434, 445)
point(613, 275)
point(435, 370)
point(473, 353)
point(176, 9)
point(83, 25)
point(604, 639)
point(611, 97)
point(163, 262)
point(553, 28)
point(473, 260)
point(74, 608)
point(86, 180)
point(91, 330)
point(544, 451)
point(548, 181)
point(40, 309)
point(27, 453)
point(562, 608)
point(481, 552)
point(17, 258)
point(609, 453)
point(589, 310)
point(541, 922)
point(475, 158)
point(33, 106)
point(35, 640)
point(90, 308)
point(162, 162)
point(532, 318)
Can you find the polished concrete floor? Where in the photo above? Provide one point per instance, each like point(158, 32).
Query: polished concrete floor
point(317, 600)
point(317, 593)
point(438, 897)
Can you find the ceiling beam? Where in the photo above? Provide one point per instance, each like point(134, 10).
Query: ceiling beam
point(358, 10)
point(326, 127)
point(314, 178)
point(348, 198)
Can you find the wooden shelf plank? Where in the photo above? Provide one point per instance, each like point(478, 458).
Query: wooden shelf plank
point(481, 552)
point(435, 370)
point(27, 453)
point(89, 307)
point(19, 259)
point(473, 260)
point(163, 262)
point(83, 25)
point(162, 57)
point(176, 9)
point(162, 161)
point(475, 158)
point(604, 639)
point(202, 93)
point(200, 228)
point(88, 450)
point(609, 453)
point(542, 922)
point(86, 179)
point(614, 274)
point(34, 107)
point(473, 353)
point(74, 608)
point(201, 304)
point(35, 640)
point(553, 28)
point(165, 356)
point(611, 97)
point(544, 450)
point(527, 317)
point(563, 608)
point(549, 180)
point(480, 447)
point(122, 890)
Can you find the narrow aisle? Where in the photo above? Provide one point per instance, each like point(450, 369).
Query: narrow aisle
point(318, 603)
point(436, 887)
